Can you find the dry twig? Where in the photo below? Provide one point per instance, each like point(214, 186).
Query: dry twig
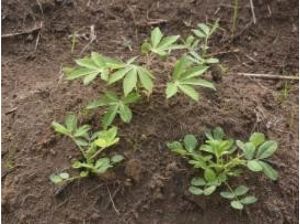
point(252, 11)
point(112, 201)
point(35, 28)
point(267, 76)
point(92, 39)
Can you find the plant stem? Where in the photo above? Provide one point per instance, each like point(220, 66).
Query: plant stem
point(235, 16)
point(81, 149)
point(97, 153)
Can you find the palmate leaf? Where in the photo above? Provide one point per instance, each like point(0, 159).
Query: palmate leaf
point(133, 76)
point(205, 30)
point(115, 106)
point(197, 59)
point(184, 77)
point(89, 68)
point(160, 45)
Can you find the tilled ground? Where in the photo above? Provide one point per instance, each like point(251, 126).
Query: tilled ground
point(151, 185)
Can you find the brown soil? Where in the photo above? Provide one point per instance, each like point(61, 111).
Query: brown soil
point(151, 186)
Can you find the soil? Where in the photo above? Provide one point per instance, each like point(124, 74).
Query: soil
point(151, 185)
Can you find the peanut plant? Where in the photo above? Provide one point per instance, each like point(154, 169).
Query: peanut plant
point(91, 146)
point(219, 159)
point(137, 78)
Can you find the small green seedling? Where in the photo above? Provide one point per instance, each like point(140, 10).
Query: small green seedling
point(185, 76)
point(90, 146)
point(204, 32)
point(220, 159)
point(115, 105)
point(159, 44)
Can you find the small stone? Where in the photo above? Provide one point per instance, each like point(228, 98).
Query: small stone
point(133, 169)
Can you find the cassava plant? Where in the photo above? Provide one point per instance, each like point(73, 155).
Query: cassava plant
point(219, 159)
point(136, 76)
point(91, 146)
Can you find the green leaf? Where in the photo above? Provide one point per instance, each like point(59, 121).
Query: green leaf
point(198, 181)
point(199, 82)
point(64, 175)
point(227, 195)
point(82, 131)
point(241, 190)
point(190, 142)
point(156, 37)
point(86, 62)
point(210, 175)
point(194, 72)
point(248, 200)
point(132, 97)
point(117, 158)
point(76, 164)
point(204, 28)
point(60, 128)
point(171, 90)
point(266, 150)
point(254, 166)
point(199, 33)
point(109, 98)
point(102, 165)
point(180, 67)
point(119, 74)
point(247, 148)
point(212, 60)
point(145, 48)
point(195, 190)
point(237, 205)
point(81, 142)
point(71, 122)
point(209, 190)
point(257, 138)
point(197, 163)
point(89, 78)
point(98, 59)
point(269, 171)
point(189, 91)
point(109, 116)
point(125, 113)
point(84, 173)
point(56, 179)
point(166, 43)
point(129, 81)
point(145, 79)
point(102, 162)
point(74, 73)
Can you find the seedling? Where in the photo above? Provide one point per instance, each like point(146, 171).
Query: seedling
point(221, 158)
point(158, 44)
point(91, 145)
point(204, 32)
point(184, 77)
point(115, 105)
